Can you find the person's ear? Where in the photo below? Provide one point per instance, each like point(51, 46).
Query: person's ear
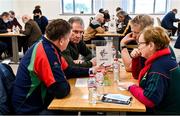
point(61, 41)
point(151, 45)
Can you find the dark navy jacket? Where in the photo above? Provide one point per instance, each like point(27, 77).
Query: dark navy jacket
point(168, 20)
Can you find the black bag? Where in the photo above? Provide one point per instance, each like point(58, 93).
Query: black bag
point(7, 78)
point(177, 43)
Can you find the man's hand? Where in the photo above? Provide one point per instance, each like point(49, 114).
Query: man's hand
point(101, 68)
point(78, 61)
point(135, 53)
point(93, 61)
point(9, 30)
point(127, 39)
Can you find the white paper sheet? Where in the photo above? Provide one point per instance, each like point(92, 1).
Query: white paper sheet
point(81, 82)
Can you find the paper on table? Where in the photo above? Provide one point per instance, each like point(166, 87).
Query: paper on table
point(122, 89)
point(6, 61)
point(119, 86)
point(81, 82)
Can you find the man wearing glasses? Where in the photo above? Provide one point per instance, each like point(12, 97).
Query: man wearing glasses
point(77, 47)
point(137, 25)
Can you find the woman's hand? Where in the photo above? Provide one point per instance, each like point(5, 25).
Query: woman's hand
point(125, 85)
point(135, 53)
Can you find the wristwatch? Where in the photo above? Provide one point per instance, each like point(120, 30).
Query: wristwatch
point(91, 71)
point(123, 46)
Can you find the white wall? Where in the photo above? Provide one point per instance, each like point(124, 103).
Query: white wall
point(52, 8)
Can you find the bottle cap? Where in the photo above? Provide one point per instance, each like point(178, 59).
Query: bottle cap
point(91, 75)
point(115, 59)
point(113, 46)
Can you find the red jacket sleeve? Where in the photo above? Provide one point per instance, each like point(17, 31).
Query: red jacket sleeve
point(136, 67)
point(137, 92)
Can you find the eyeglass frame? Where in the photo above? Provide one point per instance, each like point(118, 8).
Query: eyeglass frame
point(139, 43)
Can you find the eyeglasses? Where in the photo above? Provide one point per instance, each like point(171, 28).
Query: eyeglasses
point(136, 33)
point(139, 43)
point(77, 32)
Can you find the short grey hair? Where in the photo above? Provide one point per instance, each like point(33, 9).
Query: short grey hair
point(76, 19)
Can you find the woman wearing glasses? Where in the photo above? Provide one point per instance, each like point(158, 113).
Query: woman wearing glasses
point(159, 79)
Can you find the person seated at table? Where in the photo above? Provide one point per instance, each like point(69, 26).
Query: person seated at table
point(32, 32)
point(77, 47)
point(169, 19)
point(137, 24)
point(4, 19)
point(41, 20)
point(158, 87)
point(3, 48)
point(5, 41)
point(106, 20)
point(93, 28)
point(123, 22)
point(43, 72)
point(13, 21)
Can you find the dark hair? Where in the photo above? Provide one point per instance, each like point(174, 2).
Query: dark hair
point(12, 12)
point(174, 10)
point(101, 10)
point(5, 14)
point(37, 7)
point(106, 16)
point(76, 19)
point(37, 11)
point(57, 29)
point(118, 9)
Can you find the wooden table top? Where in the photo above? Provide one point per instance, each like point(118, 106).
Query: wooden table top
point(109, 34)
point(77, 100)
point(10, 34)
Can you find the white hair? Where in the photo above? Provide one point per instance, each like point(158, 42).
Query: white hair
point(26, 17)
point(98, 16)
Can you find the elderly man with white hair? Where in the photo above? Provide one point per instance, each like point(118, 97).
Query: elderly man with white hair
point(93, 28)
point(32, 32)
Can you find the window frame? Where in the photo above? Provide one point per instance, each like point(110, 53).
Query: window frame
point(154, 6)
point(73, 13)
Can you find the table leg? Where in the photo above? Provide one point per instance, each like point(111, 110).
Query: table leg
point(15, 51)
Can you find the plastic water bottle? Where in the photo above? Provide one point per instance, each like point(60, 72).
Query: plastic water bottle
point(92, 88)
point(14, 29)
point(17, 30)
point(113, 52)
point(99, 77)
point(112, 25)
point(99, 81)
point(116, 69)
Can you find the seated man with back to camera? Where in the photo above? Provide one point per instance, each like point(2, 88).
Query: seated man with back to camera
point(43, 72)
point(77, 47)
